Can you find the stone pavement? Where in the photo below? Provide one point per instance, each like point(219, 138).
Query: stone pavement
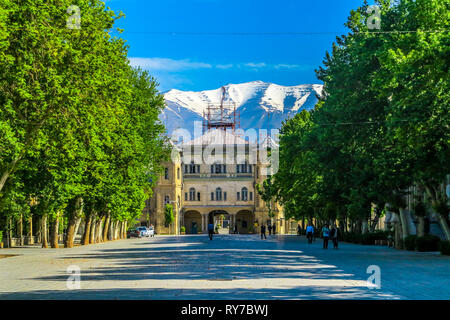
point(229, 267)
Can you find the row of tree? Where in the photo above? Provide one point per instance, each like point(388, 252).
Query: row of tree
point(80, 135)
point(380, 127)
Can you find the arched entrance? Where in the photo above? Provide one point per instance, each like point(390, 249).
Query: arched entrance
point(193, 222)
point(221, 221)
point(245, 220)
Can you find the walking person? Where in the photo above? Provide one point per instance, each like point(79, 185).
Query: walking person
point(299, 230)
point(210, 231)
point(270, 229)
point(326, 236)
point(263, 232)
point(334, 235)
point(273, 229)
point(309, 233)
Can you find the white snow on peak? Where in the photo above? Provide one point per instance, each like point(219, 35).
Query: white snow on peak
point(262, 105)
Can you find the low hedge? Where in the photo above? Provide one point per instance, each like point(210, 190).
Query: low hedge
point(444, 247)
point(366, 238)
point(427, 243)
point(410, 242)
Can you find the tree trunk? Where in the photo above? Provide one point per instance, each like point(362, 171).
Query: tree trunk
point(30, 230)
point(119, 228)
point(54, 233)
point(364, 226)
point(398, 235)
point(93, 225)
point(76, 229)
point(9, 170)
point(87, 230)
point(44, 234)
point(444, 226)
point(435, 196)
point(421, 226)
point(114, 230)
point(124, 235)
point(375, 220)
point(73, 223)
point(358, 226)
point(10, 232)
point(20, 230)
point(404, 222)
point(98, 230)
point(106, 227)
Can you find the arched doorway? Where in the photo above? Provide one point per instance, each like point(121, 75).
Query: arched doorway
point(193, 222)
point(221, 221)
point(244, 221)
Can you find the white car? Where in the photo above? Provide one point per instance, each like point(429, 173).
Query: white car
point(146, 232)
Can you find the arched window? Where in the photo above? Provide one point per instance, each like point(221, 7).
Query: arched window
point(218, 194)
point(244, 194)
point(192, 194)
point(166, 200)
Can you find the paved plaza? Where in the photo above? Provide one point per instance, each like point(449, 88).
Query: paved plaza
point(229, 267)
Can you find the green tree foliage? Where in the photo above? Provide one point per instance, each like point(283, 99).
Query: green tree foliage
point(382, 123)
point(79, 126)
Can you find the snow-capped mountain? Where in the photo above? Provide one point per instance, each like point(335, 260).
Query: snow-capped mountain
point(262, 105)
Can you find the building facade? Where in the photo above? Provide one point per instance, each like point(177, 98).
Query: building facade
point(213, 179)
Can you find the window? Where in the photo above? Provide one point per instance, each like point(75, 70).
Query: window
point(185, 196)
point(238, 196)
point(224, 196)
point(251, 196)
point(186, 168)
point(243, 168)
point(198, 168)
point(218, 194)
point(192, 167)
point(198, 196)
point(224, 168)
point(166, 200)
point(218, 168)
point(212, 168)
point(192, 194)
point(212, 196)
point(166, 173)
point(244, 193)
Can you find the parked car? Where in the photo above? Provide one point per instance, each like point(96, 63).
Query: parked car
point(146, 232)
point(134, 233)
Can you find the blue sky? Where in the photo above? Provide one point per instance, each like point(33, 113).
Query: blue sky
point(198, 61)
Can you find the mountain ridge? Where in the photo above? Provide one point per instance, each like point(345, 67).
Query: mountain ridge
point(262, 105)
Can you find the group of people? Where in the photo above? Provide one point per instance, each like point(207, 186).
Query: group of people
point(271, 229)
point(334, 234)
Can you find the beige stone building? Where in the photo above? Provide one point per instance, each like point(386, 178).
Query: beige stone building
point(213, 179)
